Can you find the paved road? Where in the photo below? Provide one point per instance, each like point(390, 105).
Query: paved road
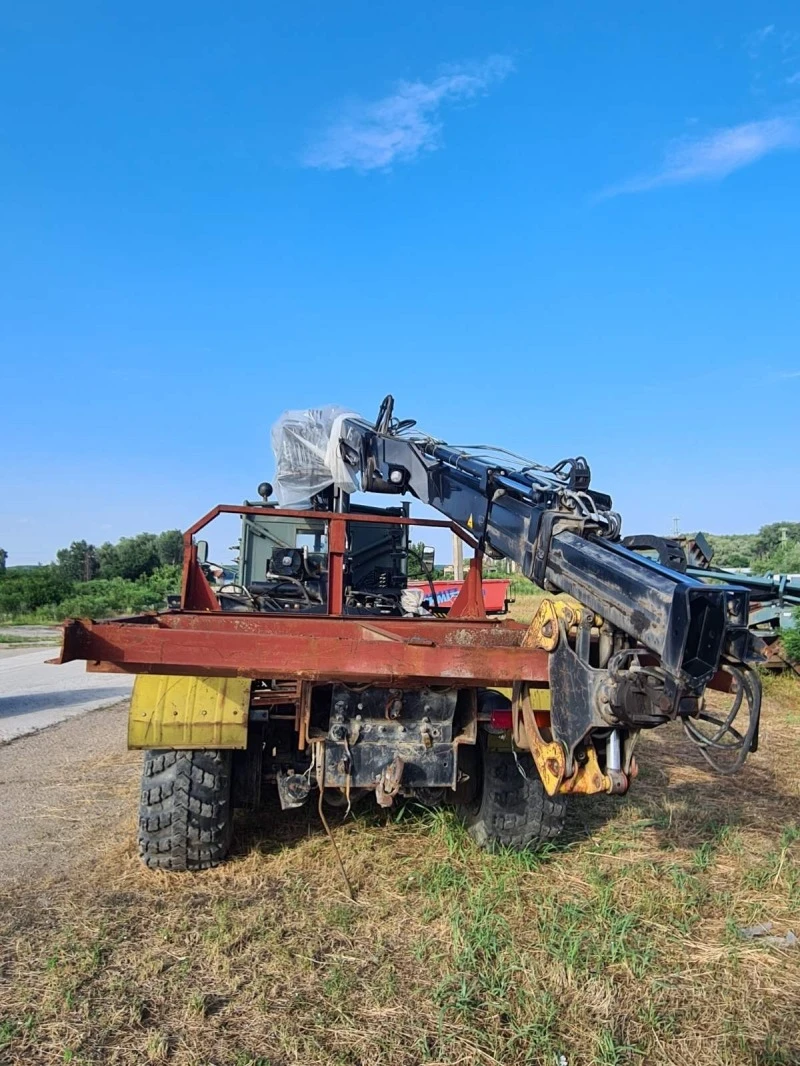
point(34, 695)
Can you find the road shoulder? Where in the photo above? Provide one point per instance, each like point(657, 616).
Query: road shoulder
point(65, 790)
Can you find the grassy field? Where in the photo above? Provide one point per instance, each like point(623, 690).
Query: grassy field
point(526, 604)
point(618, 945)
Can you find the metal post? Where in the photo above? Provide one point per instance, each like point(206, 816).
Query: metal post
point(337, 544)
point(458, 558)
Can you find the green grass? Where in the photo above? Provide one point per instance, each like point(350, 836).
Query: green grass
point(619, 944)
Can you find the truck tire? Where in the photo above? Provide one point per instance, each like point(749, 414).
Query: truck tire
point(510, 810)
point(185, 812)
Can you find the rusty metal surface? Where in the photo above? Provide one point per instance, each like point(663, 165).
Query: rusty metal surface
point(369, 725)
point(469, 601)
point(589, 779)
point(303, 714)
point(196, 593)
point(315, 648)
point(285, 690)
point(326, 516)
point(543, 630)
point(548, 755)
point(337, 546)
point(389, 782)
point(202, 640)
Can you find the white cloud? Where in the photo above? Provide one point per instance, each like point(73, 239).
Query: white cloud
point(755, 41)
point(793, 79)
point(398, 127)
point(716, 155)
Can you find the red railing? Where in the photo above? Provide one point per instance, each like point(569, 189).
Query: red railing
point(197, 594)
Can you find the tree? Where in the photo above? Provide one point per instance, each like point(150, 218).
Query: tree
point(732, 549)
point(169, 546)
point(137, 555)
point(771, 537)
point(733, 559)
point(78, 562)
point(108, 565)
point(785, 559)
point(130, 557)
point(3, 557)
point(416, 570)
point(24, 591)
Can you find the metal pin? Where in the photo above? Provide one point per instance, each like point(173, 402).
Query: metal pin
point(613, 751)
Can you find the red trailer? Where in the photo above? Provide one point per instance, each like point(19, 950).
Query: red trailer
point(495, 593)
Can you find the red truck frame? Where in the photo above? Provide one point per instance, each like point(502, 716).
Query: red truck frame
point(466, 647)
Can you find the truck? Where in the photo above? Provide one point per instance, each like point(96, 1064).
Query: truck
point(318, 674)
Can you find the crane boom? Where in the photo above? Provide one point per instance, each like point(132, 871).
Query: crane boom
point(667, 633)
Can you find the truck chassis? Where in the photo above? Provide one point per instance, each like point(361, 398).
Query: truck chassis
point(451, 709)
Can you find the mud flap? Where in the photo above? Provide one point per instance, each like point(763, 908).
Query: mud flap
point(188, 712)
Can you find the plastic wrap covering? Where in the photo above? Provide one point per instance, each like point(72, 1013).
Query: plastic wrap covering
point(307, 456)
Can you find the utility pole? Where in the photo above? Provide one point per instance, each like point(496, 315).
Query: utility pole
point(458, 558)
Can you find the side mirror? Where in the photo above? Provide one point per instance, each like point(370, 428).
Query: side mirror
point(428, 556)
point(202, 551)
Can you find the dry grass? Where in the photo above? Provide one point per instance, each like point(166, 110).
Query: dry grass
point(525, 607)
point(620, 945)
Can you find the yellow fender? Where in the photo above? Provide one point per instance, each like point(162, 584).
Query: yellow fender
point(188, 712)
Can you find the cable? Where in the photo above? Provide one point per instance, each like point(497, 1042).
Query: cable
point(748, 689)
point(348, 776)
point(233, 588)
point(428, 573)
point(324, 820)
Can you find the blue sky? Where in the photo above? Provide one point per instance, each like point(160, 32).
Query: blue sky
point(561, 227)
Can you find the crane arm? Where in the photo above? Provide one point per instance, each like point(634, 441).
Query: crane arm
point(668, 633)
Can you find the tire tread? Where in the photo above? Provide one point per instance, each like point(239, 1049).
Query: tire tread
point(513, 811)
point(185, 812)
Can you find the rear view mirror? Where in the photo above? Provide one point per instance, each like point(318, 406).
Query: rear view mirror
point(428, 556)
point(202, 551)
